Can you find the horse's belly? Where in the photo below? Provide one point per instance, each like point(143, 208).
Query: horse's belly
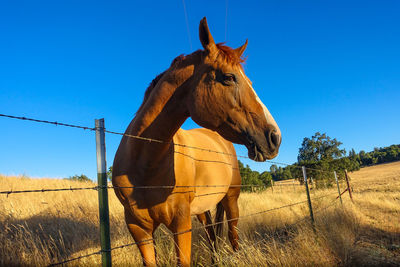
point(206, 201)
point(212, 186)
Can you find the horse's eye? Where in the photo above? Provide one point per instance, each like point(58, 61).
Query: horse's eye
point(229, 78)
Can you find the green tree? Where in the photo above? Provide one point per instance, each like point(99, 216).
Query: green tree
point(321, 152)
point(273, 168)
point(287, 173)
point(80, 178)
point(320, 147)
point(266, 178)
point(250, 177)
point(109, 173)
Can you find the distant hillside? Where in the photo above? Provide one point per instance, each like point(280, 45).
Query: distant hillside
point(354, 161)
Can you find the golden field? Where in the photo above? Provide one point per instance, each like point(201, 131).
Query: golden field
point(44, 228)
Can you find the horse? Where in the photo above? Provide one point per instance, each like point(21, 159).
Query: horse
point(168, 180)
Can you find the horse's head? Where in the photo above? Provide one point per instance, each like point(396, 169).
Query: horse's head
point(223, 99)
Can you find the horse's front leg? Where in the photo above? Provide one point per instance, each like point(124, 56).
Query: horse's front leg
point(230, 203)
point(144, 237)
point(181, 228)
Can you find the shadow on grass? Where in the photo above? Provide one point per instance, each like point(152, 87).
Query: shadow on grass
point(338, 233)
point(46, 237)
point(357, 244)
point(376, 247)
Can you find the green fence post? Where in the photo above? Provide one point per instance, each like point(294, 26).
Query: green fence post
point(308, 197)
point(103, 194)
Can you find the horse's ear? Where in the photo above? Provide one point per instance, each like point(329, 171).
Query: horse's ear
point(205, 36)
point(239, 51)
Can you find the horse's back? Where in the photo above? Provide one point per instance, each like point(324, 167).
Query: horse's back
point(207, 161)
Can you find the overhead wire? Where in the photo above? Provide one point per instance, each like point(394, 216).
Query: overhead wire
point(187, 24)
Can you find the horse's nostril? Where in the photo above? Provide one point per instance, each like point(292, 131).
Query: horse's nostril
point(274, 139)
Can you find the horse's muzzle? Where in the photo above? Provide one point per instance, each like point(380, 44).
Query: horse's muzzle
point(264, 147)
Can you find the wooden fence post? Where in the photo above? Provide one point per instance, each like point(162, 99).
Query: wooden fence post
point(103, 194)
point(338, 188)
point(348, 185)
point(308, 197)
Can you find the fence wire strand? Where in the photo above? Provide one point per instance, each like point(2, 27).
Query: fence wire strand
point(180, 233)
point(75, 259)
point(170, 187)
point(200, 227)
point(11, 191)
point(152, 140)
point(48, 122)
point(221, 259)
point(134, 136)
point(48, 190)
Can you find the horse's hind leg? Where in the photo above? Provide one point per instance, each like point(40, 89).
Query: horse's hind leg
point(206, 220)
point(144, 237)
point(230, 203)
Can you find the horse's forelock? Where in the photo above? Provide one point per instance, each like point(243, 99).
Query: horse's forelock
point(230, 55)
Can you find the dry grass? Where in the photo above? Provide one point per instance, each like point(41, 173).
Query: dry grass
point(41, 228)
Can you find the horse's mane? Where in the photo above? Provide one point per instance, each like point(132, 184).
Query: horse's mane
point(154, 82)
point(150, 88)
point(228, 54)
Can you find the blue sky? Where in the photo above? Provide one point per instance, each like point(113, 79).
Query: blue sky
point(329, 66)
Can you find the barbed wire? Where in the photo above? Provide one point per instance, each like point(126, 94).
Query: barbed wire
point(324, 196)
point(134, 136)
point(49, 122)
point(178, 233)
point(11, 191)
point(291, 224)
point(326, 207)
point(293, 165)
point(76, 258)
point(287, 184)
point(47, 190)
point(153, 187)
point(217, 223)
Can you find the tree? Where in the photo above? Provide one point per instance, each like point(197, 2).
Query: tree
point(273, 168)
point(266, 178)
point(352, 153)
point(287, 173)
point(109, 173)
point(320, 148)
point(322, 152)
point(80, 178)
point(250, 177)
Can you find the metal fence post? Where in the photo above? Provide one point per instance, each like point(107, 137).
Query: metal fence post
point(308, 197)
point(348, 185)
point(338, 188)
point(103, 194)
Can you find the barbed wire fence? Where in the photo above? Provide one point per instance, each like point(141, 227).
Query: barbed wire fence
point(102, 187)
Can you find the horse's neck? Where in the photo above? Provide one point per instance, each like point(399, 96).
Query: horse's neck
point(160, 118)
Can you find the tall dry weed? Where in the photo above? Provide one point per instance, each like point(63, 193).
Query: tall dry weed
point(43, 228)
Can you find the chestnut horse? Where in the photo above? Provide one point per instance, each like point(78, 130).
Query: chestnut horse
point(210, 87)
